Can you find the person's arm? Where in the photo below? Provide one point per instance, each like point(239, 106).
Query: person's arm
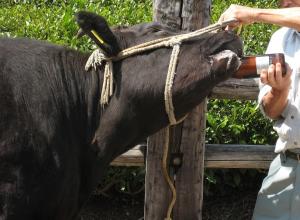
point(275, 101)
point(287, 17)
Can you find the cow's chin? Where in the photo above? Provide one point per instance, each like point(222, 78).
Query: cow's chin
point(225, 63)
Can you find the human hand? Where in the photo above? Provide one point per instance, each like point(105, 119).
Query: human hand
point(243, 15)
point(273, 77)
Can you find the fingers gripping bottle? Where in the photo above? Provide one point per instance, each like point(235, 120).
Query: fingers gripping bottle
point(253, 65)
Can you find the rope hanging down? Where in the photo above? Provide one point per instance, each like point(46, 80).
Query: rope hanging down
point(169, 83)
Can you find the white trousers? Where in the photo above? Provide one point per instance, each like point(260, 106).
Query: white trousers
point(279, 196)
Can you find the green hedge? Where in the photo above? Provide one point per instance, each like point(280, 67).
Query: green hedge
point(230, 121)
point(53, 20)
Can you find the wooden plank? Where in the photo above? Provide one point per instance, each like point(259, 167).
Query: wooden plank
point(188, 15)
point(189, 179)
point(136, 158)
point(237, 164)
point(195, 14)
point(133, 157)
point(216, 156)
point(167, 12)
point(234, 152)
point(157, 193)
point(244, 89)
point(239, 156)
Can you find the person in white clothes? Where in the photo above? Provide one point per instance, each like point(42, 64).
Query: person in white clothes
point(279, 99)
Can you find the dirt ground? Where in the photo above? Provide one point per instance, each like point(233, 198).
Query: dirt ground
point(232, 205)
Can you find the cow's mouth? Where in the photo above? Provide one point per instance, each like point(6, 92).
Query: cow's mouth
point(227, 56)
point(226, 60)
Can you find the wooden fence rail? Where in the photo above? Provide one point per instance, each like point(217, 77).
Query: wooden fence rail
point(216, 156)
point(242, 89)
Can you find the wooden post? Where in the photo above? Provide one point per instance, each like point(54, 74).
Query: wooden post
point(187, 138)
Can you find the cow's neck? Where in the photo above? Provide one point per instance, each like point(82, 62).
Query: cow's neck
point(82, 89)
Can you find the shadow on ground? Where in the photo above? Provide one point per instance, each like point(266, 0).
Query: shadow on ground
point(236, 205)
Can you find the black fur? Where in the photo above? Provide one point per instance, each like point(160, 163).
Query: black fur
point(56, 142)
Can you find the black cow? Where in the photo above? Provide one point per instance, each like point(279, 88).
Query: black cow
point(56, 142)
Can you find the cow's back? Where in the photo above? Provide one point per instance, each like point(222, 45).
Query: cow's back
point(36, 145)
point(28, 89)
point(35, 81)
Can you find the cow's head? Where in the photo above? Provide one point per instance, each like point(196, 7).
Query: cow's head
point(136, 108)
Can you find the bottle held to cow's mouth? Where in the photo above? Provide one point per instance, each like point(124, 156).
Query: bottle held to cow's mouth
point(253, 65)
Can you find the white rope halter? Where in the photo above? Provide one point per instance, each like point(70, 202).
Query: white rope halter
point(97, 58)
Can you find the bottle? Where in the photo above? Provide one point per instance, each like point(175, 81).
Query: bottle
point(252, 65)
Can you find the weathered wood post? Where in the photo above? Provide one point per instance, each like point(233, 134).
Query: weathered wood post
point(188, 138)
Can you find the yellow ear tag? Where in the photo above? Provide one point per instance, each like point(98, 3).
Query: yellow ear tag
point(98, 37)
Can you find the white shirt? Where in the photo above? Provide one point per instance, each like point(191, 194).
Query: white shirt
point(287, 41)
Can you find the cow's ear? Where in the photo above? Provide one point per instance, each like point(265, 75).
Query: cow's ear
point(98, 30)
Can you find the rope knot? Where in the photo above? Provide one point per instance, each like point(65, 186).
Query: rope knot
point(173, 42)
point(96, 59)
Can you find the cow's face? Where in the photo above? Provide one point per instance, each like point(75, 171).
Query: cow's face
point(137, 107)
